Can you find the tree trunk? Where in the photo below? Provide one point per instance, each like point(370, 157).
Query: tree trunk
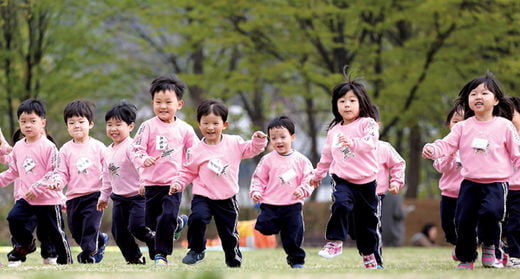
point(414, 162)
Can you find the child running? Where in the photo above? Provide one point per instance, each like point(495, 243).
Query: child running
point(212, 168)
point(512, 223)
point(489, 147)
point(121, 183)
point(281, 183)
point(390, 178)
point(160, 149)
point(449, 183)
point(81, 168)
point(350, 156)
point(33, 164)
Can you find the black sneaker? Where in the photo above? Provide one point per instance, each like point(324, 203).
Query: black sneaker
point(138, 261)
point(88, 259)
point(193, 257)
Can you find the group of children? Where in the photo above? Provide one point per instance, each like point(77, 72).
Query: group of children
point(145, 178)
point(479, 160)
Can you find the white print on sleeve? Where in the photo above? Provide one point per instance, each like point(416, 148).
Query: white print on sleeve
point(287, 176)
point(28, 165)
point(83, 164)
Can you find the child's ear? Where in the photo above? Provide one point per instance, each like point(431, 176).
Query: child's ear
point(225, 125)
point(180, 103)
point(131, 126)
point(91, 124)
point(293, 137)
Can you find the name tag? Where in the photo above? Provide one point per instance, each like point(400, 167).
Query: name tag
point(216, 166)
point(83, 164)
point(288, 175)
point(161, 142)
point(28, 165)
point(479, 143)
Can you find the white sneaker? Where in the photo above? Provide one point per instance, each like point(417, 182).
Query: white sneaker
point(14, 263)
point(514, 262)
point(52, 261)
point(331, 250)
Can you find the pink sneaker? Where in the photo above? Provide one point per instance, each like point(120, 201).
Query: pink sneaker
point(468, 266)
point(453, 255)
point(331, 250)
point(489, 259)
point(370, 261)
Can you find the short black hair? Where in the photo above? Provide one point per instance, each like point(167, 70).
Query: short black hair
point(165, 83)
point(123, 111)
point(457, 108)
point(281, 122)
point(32, 105)
point(216, 107)
point(516, 103)
point(81, 108)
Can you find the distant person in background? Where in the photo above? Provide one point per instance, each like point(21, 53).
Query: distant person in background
point(392, 220)
point(426, 237)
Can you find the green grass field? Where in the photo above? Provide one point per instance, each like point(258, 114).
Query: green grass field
point(400, 263)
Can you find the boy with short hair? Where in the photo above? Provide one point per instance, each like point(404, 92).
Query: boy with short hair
point(281, 183)
point(81, 164)
point(160, 149)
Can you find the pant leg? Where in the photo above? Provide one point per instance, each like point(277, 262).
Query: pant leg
point(378, 253)
point(512, 225)
point(136, 224)
point(225, 213)
point(491, 212)
point(342, 205)
point(466, 219)
point(365, 212)
point(121, 229)
point(167, 222)
point(21, 223)
point(267, 222)
point(199, 218)
point(291, 233)
point(448, 206)
point(51, 233)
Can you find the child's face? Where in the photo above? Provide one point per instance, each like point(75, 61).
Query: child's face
point(455, 118)
point(166, 105)
point(31, 125)
point(211, 127)
point(348, 107)
point(78, 128)
point(482, 101)
point(516, 120)
point(118, 130)
point(281, 140)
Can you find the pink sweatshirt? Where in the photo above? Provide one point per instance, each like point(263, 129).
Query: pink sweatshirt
point(4, 157)
point(358, 163)
point(486, 149)
point(120, 176)
point(514, 181)
point(81, 167)
point(391, 166)
point(169, 141)
point(33, 166)
point(213, 169)
point(451, 178)
point(277, 177)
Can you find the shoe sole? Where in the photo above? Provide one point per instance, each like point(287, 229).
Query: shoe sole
point(193, 263)
point(329, 256)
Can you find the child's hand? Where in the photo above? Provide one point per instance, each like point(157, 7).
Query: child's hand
point(393, 188)
point(427, 152)
point(315, 183)
point(150, 161)
point(174, 188)
point(141, 189)
point(256, 197)
point(30, 195)
point(101, 205)
point(260, 135)
point(298, 193)
point(345, 141)
point(55, 186)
